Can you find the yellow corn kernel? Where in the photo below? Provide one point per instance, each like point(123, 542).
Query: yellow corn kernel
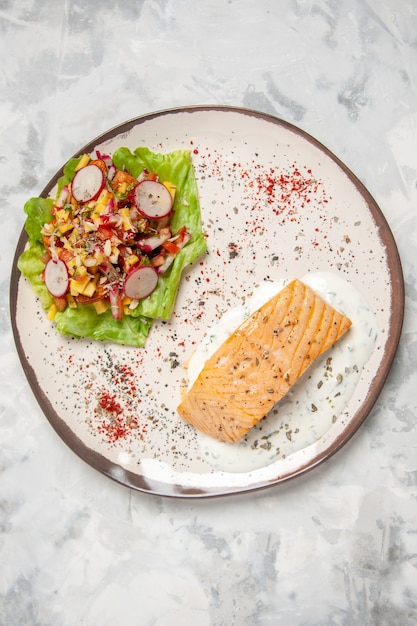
point(172, 189)
point(99, 256)
point(131, 260)
point(52, 312)
point(75, 235)
point(85, 159)
point(71, 302)
point(100, 204)
point(60, 214)
point(90, 289)
point(125, 215)
point(101, 306)
point(48, 229)
point(104, 197)
point(81, 269)
point(64, 228)
point(78, 286)
point(122, 188)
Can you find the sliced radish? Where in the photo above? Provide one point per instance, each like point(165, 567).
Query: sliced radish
point(163, 261)
point(104, 157)
point(56, 277)
point(154, 241)
point(62, 198)
point(111, 171)
point(87, 183)
point(140, 282)
point(153, 199)
point(116, 305)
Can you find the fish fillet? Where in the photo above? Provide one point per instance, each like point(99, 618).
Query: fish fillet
point(260, 361)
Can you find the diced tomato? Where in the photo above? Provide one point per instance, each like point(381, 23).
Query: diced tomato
point(147, 175)
point(65, 255)
point(104, 232)
point(181, 234)
point(170, 247)
point(121, 177)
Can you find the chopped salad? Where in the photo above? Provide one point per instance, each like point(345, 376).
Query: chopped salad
point(106, 254)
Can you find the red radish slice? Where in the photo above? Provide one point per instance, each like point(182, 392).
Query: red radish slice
point(153, 199)
point(162, 262)
point(116, 306)
point(152, 242)
point(87, 183)
point(62, 198)
point(56, 277)
point(167, 262)
point(140, 282)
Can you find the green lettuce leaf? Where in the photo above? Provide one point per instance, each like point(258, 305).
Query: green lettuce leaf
point(38, 211)
point(84, 322)
point(176, 168)
point(68, 175)
point(31, 265)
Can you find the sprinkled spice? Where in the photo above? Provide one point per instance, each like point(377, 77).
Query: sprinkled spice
point(233, 250)
point(109, 403)
point(112, 423)
point(284, 190)
point(111, 390)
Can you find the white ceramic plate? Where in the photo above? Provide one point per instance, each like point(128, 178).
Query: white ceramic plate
point(276, 204)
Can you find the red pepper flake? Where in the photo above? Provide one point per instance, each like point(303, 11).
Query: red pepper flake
point(118, 428)
point(109, 403)
point(285, 190)
point(113, 421)
point(111, 395)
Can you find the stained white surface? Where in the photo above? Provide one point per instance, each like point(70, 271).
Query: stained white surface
point(336, 546)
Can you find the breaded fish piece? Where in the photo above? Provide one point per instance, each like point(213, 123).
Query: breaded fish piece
point(260, 361)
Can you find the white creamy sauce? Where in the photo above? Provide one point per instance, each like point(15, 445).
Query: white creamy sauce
point(316, 401)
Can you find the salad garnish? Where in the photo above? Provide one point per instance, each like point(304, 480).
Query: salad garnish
point(111, 239)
